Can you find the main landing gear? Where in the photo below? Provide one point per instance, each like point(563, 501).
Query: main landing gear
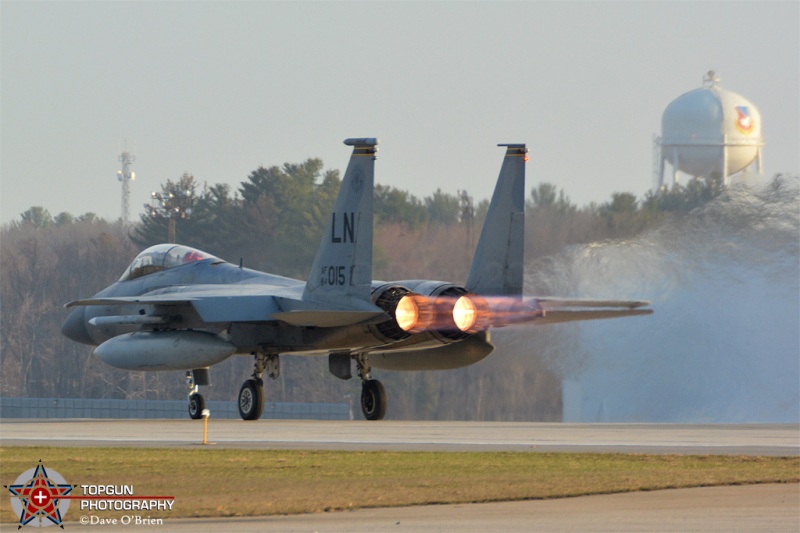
point(251, 394)
point(251, 399)
point(373, 395)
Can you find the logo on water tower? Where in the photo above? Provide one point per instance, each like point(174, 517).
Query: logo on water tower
point(744, 122)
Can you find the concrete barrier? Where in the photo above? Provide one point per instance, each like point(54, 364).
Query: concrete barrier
point(90, 408)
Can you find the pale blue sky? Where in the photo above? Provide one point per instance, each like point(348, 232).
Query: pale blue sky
point(217, 89)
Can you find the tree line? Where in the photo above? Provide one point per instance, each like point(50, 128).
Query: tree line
point(274, 222)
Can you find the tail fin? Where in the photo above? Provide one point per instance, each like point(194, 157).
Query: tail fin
point(497, 266)
point(342, 270)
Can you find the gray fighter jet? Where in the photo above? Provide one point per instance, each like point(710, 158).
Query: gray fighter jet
point(178, 308)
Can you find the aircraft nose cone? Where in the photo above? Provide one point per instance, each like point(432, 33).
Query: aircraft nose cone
point(74, 327)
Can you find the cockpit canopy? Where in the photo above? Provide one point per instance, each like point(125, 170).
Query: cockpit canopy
point(162, 257)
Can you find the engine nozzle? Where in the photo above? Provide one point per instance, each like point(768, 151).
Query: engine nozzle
point(411, 313)
point(465, 314)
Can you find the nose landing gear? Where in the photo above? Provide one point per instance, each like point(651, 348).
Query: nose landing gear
point(195, 378)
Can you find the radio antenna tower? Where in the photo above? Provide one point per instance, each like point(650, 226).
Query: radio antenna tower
point(126, 176)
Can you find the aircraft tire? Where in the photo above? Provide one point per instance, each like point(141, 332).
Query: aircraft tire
point(251, 399)
point(196, 405)
point(373, 399)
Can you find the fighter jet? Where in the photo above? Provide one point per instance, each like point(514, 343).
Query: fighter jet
point(178, 308)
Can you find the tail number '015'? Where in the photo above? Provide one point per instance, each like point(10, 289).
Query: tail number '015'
point(333, 275)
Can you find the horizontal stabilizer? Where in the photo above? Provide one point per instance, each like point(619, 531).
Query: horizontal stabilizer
point(552, 303)
point(558, 317)
point(330, 319)
point(500, 311)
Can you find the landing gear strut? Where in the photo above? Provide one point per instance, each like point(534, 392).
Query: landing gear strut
point(251, 394)
point(373, 395)
point(196, 401)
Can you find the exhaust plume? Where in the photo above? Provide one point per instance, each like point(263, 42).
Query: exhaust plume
point(723, 344)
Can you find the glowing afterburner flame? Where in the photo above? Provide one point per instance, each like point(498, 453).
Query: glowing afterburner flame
point(406, 313)
point(469, 313)
point(472, 313)
point(464, 313)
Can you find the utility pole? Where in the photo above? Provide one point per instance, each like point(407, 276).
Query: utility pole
point(467, 216)
point(170, 206)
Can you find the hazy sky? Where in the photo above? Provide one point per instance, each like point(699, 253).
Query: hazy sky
point(217, 89)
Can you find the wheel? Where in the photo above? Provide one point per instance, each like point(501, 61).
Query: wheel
point(251, 400)
point(196, 405)
point(373, 399)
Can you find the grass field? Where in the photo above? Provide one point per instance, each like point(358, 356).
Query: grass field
point(225, 482)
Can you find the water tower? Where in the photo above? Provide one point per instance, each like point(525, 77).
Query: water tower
point(709, 133)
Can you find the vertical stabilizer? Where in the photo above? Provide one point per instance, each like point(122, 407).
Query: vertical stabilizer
point(497, 266)
point(342, 270)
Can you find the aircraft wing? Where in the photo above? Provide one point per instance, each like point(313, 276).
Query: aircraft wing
point(227, 303)
point(128, 300)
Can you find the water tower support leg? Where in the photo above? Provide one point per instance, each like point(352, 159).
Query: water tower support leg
point(725, 160)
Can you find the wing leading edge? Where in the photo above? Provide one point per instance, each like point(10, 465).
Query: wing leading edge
point(217, 308)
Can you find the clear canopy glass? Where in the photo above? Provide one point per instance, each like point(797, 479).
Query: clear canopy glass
point(162, 257)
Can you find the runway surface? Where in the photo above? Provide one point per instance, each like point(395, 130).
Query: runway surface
point(774, 440)
point(743, 508)
point(753, 508)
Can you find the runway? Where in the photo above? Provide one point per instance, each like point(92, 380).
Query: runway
point(754, 508)
point(742, 508)
point(772, 440)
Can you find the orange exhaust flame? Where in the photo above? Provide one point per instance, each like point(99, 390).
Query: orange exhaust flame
point(507, 311)
point(472, 313)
